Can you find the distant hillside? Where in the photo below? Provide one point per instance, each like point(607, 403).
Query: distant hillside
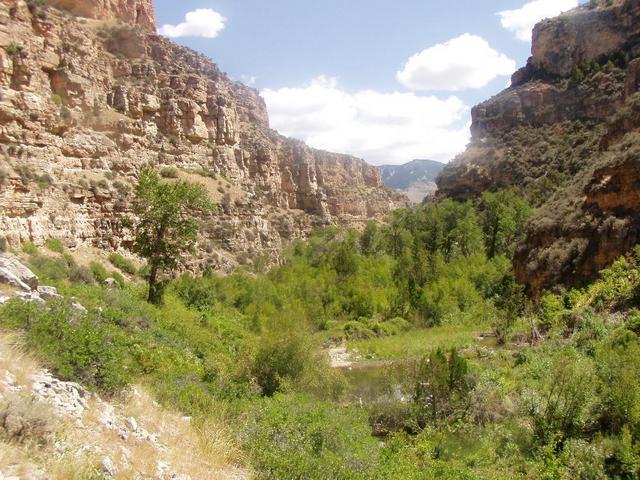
point(416, 179)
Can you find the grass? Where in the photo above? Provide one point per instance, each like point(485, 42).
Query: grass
point(14, 358)
point(417, 343)
point(25, 420)
point(55, 245)
point(197, 448)
point(206, 445)
point(123, 264)
point(29, 248)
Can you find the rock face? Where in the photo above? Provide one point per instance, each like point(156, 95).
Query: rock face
point(15, 273)
point(565, 134)
point(133, 12)
point(86, 103)
point(583, 35)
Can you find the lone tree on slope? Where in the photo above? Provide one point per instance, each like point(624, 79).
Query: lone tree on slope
point(166, 225)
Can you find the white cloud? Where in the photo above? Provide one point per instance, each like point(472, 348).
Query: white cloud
point(379, 127)
point(203, 22)
point(521, 21)
point(467, 61)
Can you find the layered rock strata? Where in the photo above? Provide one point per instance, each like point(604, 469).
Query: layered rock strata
point(90, 94)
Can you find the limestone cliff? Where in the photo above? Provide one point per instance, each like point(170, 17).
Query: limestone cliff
point(90, 94)
point(133, 12)
point(565, 135)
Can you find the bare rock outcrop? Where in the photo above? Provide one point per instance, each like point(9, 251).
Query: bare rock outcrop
point(583, 35)
point(132, 12)
point(87, 102)
point(565, 135)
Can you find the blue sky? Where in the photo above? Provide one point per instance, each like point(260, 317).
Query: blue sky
point(340, 73)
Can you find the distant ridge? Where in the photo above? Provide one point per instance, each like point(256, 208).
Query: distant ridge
point(416, 179)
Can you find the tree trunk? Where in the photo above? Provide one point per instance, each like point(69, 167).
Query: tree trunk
point(155, 293)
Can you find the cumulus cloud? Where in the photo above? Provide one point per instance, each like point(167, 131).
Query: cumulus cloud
point(379, 127)
point(467, 61)
point(203, 22)
point(521, 21)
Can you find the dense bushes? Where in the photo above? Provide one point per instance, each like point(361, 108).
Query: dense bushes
point(444, 262)
point(77, 347)
point(553, 394)
point(299, 437)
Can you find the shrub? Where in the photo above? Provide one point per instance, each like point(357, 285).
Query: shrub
point(387, 417)
point(560, 404)
point(44, 181)
point(442, 385)
point(98, 271)
point(618, 369)
point(14, 49)
point(197, 293)
point(280, 360)
point(80, 274)
point(633, 321)
point(76, 347)
point(123, 263)
point(358, 331)
point(29, 248)
point(4, 176)
point(203, 173)
point(122, 188)
point(50, 269)
point(55, 245)
point(297, 437)
point(169, 172)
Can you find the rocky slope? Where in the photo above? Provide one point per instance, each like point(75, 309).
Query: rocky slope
point(87, 101)
point(415, 179)
point(55, 430)
point(566, 135)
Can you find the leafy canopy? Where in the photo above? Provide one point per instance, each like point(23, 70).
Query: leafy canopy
point(167, 225)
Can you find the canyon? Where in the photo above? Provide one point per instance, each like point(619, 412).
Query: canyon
point(90, 95)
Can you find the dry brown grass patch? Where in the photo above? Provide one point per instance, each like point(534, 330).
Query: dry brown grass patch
point(204, 446)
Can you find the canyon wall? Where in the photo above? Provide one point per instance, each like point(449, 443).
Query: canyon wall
point(132, 12)
point(565, 135)
point(90, 95)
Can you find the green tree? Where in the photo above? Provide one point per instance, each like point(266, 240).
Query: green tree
point(503, 217)
point(166, 225)
point(372, 240)
point(345, 259)
point(442, 384)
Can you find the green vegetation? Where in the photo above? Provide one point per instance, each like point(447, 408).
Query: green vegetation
point(55, 245)
point(123, 264)
point(414, 343)
point(167, 225)
point(169, 172)
point(29, 248)
point(14, 49)
point(476, 381)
